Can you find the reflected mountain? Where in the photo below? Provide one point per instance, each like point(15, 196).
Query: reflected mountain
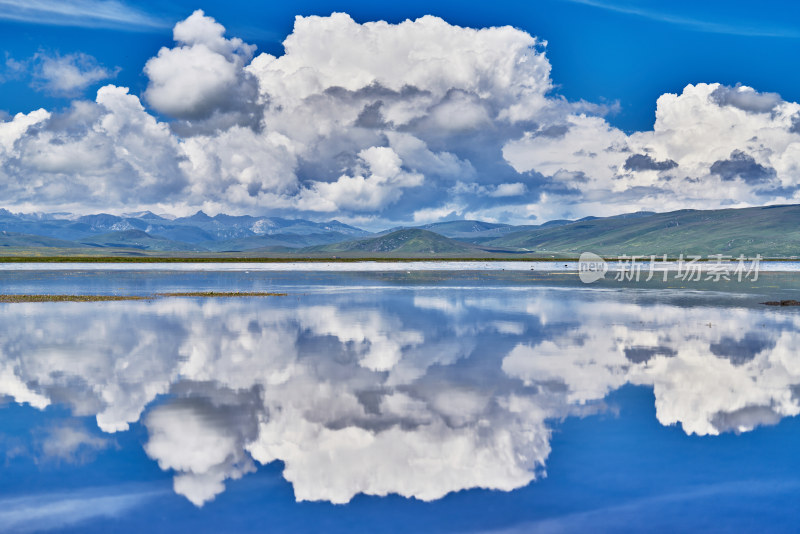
point(414, 391)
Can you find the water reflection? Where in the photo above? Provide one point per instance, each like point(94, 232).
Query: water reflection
point(415, 391)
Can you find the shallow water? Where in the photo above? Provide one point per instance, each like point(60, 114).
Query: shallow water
point(398, 402)
point(375, 266)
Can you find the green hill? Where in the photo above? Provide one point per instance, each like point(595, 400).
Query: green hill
point(137, 239)
point(408, 242)
point(772, 231)
point(469, 230)
point(478, 232)
point(275, 242)
point(15, 240)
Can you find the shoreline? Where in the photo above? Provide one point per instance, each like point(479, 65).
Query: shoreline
point(335, 259)
point(564, 266)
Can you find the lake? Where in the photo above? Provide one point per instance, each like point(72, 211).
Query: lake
point(402, 398)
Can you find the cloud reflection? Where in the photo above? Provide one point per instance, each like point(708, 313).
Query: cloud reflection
point(416, 392)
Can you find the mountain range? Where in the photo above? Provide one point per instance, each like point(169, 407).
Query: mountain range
point(772, 231)
point(150, 232)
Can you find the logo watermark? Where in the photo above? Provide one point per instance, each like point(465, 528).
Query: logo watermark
point(591, 267)
point(713, 268)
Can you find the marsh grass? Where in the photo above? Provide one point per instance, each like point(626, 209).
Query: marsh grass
point(114, 298)
point(782, 303)
point(340, 258)
point(69, 298)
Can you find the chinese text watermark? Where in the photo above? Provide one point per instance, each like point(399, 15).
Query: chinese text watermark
point(713, 268)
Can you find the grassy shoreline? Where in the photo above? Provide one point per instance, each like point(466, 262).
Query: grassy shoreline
point(229, 259)
point(262, 259)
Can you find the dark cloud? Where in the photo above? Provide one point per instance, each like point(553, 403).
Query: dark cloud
point(371, 117)
point(778, 191)
point(71, 123)
point(371, 400)
point(745, 419)
point(238, 107)
point(376, 91)
point(745, 99)
point(744, 166)
point(643, 162)
point(741, 351)
point(645, 354)
point(234, 411)
point(795, 127)
point(566, 190)
point(553, 132)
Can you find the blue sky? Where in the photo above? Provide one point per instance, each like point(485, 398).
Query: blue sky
point(609, 59)
point(121, 490)
point(630, 52)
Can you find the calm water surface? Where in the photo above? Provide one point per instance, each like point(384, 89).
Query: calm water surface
point(398, 402)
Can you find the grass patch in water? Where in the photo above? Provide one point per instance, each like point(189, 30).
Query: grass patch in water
point(114, 298)
point(69, 298)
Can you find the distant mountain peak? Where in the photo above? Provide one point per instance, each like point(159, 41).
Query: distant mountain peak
point(199, 216)
point(143, 215)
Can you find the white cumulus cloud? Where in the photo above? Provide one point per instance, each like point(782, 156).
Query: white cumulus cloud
point(385, 123)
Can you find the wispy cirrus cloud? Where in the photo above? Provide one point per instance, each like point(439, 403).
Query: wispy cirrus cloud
point(82, 13)
point(56, 511)
point(59, 75)
point(68, 75)
point(692, 23)
point(657, 512)
point(72, 443)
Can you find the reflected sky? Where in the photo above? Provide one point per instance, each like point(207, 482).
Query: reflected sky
point(370, 389)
